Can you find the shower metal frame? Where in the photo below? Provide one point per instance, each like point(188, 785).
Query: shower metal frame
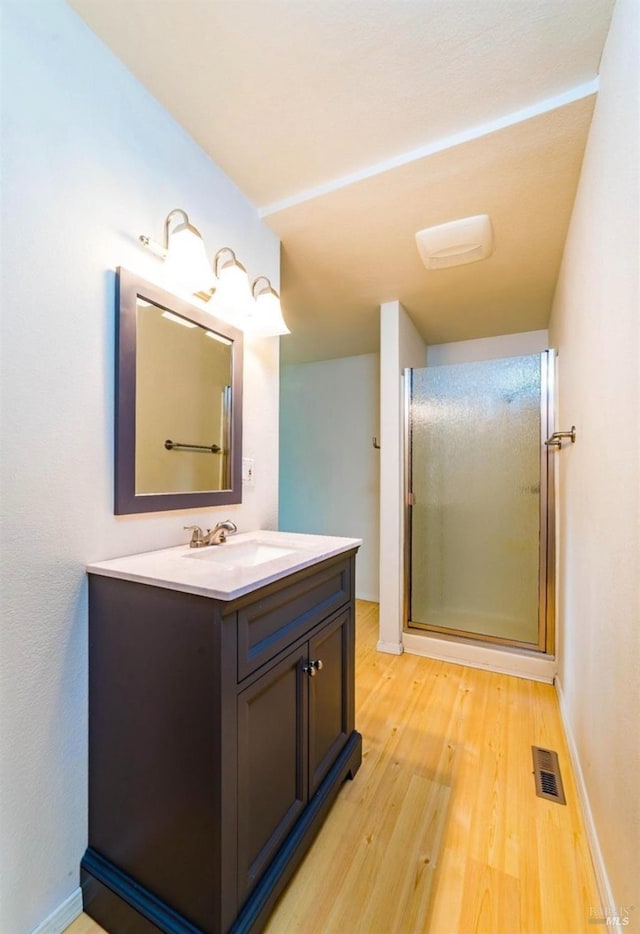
point(547, 524)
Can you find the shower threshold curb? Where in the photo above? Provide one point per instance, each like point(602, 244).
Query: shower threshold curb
point(506, 661)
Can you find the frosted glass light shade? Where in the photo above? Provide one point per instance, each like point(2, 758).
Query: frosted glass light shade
point(233, 287)
point(266, 319)
point(186, 264)
point(232, 299)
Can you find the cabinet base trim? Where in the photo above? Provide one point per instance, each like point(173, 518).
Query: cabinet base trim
point(257, 908)
point(118, 903)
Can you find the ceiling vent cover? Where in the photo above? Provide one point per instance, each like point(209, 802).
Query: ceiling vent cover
point(463, 241)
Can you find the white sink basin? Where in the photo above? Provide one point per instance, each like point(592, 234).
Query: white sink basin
point(244, 563)
point(243, 555)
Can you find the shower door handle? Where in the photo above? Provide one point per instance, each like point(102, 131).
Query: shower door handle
point(556, 439)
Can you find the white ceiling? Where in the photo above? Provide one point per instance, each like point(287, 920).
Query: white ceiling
point(352, 124)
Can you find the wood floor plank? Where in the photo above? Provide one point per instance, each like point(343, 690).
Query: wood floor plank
point(84, 925)
point(441, 831)
point(492, 901)
point(410, 859)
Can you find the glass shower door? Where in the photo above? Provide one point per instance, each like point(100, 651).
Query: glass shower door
point(478, 529)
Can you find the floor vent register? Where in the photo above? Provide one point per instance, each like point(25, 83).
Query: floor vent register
point(547, 774)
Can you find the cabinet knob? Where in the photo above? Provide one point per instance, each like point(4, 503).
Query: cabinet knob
point(313, 666)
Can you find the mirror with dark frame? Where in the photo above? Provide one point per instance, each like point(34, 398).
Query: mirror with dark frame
point(178, 417)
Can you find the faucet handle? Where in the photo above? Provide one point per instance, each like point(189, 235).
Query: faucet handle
point(196, 535)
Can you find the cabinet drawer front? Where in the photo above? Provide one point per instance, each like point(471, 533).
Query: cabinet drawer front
point(277, 620)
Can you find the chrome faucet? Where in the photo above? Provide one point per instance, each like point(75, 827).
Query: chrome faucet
point(215, 536)
point(218, 535)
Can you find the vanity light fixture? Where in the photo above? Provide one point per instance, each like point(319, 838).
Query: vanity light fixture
point(184, 253)
point(254, 306)
point(266, 318)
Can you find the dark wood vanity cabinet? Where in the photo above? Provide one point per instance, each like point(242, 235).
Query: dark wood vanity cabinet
point(220, 733)
point(292, 726)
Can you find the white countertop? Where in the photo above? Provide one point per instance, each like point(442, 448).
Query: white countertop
point(190, 570)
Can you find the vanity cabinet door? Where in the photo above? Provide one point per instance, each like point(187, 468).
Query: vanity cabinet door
point(331, 702)
point(272, 764)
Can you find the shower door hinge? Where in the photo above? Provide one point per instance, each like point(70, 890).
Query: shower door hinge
point(411, 499)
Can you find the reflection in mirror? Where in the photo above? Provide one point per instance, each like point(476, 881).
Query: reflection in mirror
point(178, 413)
point(181, 447)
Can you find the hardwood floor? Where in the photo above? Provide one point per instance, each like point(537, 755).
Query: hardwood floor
point(441, 831)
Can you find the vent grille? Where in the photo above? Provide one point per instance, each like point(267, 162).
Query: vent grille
point(546, 770)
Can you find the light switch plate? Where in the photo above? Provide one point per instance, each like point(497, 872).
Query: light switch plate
point(248, 470)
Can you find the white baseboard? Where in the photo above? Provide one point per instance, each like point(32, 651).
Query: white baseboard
point(519, 664)
point(604, 886)
point(391, 648)
point(62, 917)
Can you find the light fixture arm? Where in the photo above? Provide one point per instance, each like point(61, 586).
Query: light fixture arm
point(268, 288)
point(167, 223)
point(225, 249)
point(161, 249)
point(152, 245)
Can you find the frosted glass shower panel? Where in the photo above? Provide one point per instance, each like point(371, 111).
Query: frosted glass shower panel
point(475, 525)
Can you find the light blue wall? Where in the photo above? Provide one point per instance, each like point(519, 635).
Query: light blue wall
point(90, 160)
point(329, 470)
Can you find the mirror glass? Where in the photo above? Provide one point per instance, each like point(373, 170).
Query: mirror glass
point(183, 397)
point(178, 408)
